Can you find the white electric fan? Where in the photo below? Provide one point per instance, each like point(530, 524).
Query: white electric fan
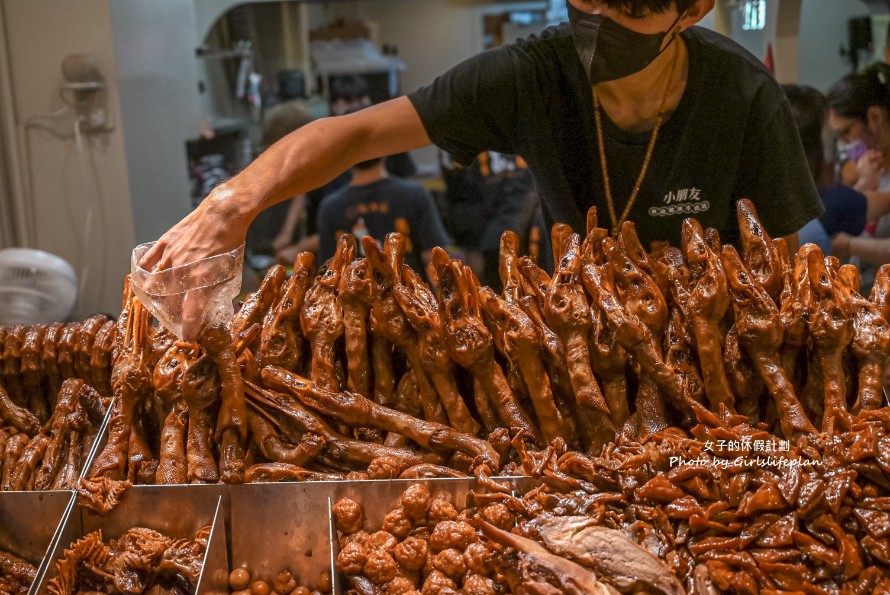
point(35, 287)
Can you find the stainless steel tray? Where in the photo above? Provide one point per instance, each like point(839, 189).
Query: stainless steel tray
point(175, 511)
point(29, 522)
point(278, 526)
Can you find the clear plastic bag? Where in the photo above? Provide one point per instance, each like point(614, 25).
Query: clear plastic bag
point(189, 298)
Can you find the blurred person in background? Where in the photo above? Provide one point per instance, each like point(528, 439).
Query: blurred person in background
point(505, 186)
point(267, 235)
point(859, 116)
point(846, 209)
point(376, 203)
point(352, 93)
point(629, 108)
point(481, 202)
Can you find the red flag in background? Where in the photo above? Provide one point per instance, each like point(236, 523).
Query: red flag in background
point(768, 61)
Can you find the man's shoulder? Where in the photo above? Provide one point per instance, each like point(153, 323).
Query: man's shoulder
point(722, 51)
point(551, 37)
point(544, 47)
point(723, 63)
point(552, 45)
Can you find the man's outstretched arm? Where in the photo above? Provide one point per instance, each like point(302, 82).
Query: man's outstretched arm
point(301, 161)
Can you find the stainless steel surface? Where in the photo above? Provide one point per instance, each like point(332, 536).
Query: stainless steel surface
point(214, 579)
point(278, 526)
point(98, 442)
point(28, 523)
point(175, 511)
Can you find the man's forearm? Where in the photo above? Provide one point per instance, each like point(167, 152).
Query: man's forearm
point(320, 151)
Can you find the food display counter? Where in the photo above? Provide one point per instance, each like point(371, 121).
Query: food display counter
point(700, 419)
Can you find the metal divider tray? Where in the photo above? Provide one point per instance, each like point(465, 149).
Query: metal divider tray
point(289, 526)
point(29, 521)
point(175, 511)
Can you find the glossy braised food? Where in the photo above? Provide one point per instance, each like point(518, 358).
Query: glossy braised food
point(16, 574)
point(140, 561)
point(730, 510)
point(363, 369)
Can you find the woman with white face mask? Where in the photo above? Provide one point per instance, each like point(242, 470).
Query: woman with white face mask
point(629, 107)
point(859, 117)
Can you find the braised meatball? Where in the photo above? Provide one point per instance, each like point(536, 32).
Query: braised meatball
point(380, 567)
point(398, 523)
point(348, 515)
point(476, 584)
point(499, 515)
point(359, 537)
point(411, 553)
point(381, 540)
point(351, 559)
point(384, 468)
point(422, 533)
point(399, 586)
point(428, 565)
point(477, 558)
point(450, 562)
point(440, 510)
point(416, 502)
point(437, 583)
point(284, 582)
point(324, 582)
point(356, 476)
point(456, 534)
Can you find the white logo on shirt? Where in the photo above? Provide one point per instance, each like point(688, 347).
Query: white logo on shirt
point(684, 201)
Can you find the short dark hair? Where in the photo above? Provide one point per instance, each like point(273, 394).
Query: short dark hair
point(851, 96)
point(368, 164)
point(282, 119)
point(637, 9)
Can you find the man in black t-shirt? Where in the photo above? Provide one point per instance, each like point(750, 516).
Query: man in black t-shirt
point(375, 204)
point(729, 134)
point(629, 108)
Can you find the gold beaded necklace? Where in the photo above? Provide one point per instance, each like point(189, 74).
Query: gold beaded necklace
point(616, 223)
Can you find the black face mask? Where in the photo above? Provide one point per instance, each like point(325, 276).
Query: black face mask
point(609, 51)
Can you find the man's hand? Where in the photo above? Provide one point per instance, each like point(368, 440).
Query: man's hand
point(871, 168)
point(215, 227)
point(301, 161)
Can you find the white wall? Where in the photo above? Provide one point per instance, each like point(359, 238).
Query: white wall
point(823, 30)
point(157, 75)
point(39, 34)
point(431, 36)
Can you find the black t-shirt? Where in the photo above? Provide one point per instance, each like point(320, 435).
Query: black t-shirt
point(376, 209)
point(732, 136)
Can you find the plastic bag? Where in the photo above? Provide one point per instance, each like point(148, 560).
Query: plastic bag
point(189, 298)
